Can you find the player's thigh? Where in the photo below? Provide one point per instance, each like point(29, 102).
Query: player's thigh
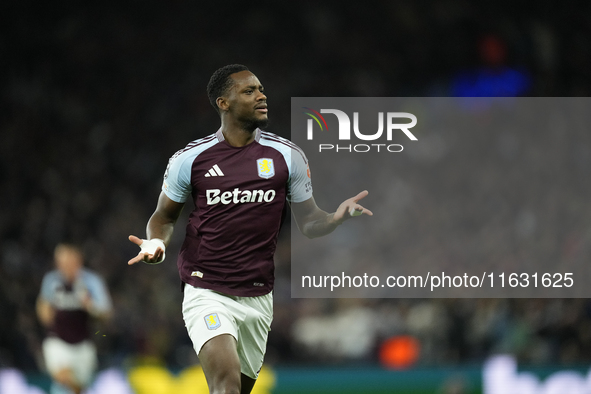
point(85, 362)
point(79, 358)
point(57, 355)
point(220, 363)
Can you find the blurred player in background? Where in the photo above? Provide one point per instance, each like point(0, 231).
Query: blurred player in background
point(70, 296)
point(240, 179)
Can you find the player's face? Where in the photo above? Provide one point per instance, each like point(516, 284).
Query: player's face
point(248, 103)
point(69, 263)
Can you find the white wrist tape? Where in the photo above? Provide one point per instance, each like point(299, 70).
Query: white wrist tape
point(354, 212)
point(150, 245)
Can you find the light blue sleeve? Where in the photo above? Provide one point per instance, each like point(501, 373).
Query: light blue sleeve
point(177, 178)
point(300, 182)
point(48, 286)
point(98, 292)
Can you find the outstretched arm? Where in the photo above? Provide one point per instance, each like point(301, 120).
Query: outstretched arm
point(160, 226)
point(314, 222)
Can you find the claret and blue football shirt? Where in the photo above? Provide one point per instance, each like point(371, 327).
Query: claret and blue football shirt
point(239, 195)
point(72, 320)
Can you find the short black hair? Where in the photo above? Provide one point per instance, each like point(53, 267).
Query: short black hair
point(220, 82)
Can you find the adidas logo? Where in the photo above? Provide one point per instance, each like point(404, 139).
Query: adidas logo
point(214, 171)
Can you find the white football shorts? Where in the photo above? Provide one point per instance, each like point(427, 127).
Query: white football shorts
point(208, 314)
point(80, 358)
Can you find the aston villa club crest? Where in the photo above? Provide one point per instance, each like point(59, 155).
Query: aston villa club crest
point(212, 321)
point(266, 168)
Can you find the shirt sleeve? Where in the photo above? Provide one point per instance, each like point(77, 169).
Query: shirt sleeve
point(300, 181)
point(98, 292)
point(47, 286)
point(177, 178)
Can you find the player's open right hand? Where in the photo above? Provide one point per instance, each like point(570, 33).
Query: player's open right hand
point(152, 251)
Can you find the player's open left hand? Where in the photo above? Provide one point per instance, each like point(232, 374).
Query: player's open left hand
point(350, 208)
point(152, 251)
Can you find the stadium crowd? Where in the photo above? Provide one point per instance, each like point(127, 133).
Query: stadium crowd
point(96, 98)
